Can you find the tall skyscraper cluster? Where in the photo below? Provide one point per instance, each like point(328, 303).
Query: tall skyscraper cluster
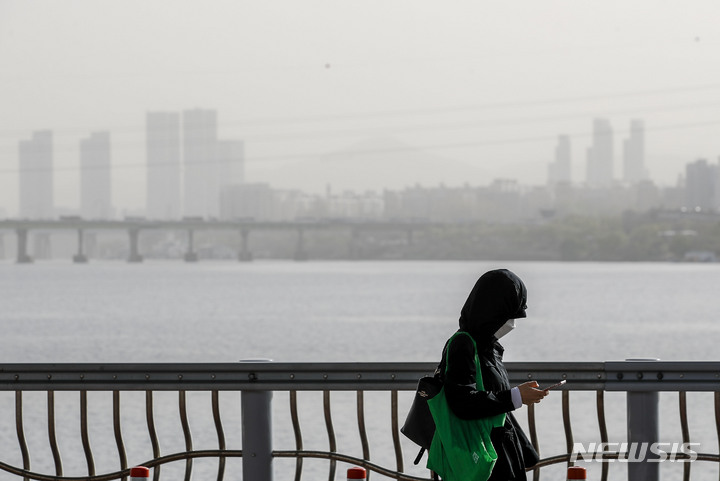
point(187, 165)
point(36, 159)
point(187, 169)
point(600, 157)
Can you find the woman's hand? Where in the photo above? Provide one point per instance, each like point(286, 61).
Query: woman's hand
point(530, 393)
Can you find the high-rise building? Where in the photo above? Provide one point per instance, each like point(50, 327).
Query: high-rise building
point(634, 170)
point(600, 155)
point(36, 176)
point(202, 178)
point(701, 186)
point(560, 171)
point(164, 182)
point(95, 178)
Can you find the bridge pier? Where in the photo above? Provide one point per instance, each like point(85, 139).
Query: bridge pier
point(244, 255)
point(300, 253)
point(191, 255)
point(2, 246)
point(80, 257)
point(22, 239)
point(133, 235)
point(354, 244)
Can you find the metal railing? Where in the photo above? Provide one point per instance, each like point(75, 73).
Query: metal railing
point(257, 381)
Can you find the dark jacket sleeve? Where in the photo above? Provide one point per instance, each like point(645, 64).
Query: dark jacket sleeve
point(464, 400)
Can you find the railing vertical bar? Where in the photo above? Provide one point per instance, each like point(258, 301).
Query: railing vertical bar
point(566, 422)
point(330, 432)
point(84, 433)
point(220, 433)
point(717, 422)
point(685, 429)
point(298, 434)
point(361, 426)
point(21, 431)
point(396, 431)
point(602, 424)
point(118, 432)
point(182, 401)
point(532, 426)
point(150, 416)
point(52, 438)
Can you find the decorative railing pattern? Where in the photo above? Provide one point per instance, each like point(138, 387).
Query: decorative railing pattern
point(256, 381)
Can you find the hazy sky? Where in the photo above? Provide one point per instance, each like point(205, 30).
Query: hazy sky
point(417, 91)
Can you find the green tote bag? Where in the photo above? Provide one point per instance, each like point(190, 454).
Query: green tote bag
point(461, 449)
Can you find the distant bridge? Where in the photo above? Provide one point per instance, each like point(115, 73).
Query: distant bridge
point(133, 227)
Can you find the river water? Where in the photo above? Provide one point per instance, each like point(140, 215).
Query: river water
point(169, 311)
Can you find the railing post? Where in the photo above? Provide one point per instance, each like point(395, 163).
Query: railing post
point(642, 427)
point(257, 435)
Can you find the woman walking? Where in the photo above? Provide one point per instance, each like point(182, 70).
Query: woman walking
point(498, 298)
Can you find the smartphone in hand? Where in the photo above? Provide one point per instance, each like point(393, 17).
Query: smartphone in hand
point(553, 386)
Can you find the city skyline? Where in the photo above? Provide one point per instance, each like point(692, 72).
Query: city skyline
point(485, 96)
point(188, 166)
point(630, 144)
point(185, 171)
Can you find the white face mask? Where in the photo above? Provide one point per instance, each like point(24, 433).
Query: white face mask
point(505, 328)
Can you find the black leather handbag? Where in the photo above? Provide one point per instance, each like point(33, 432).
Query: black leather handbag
point(419, 425)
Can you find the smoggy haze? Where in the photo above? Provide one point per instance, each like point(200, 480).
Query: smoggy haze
point(480, 89)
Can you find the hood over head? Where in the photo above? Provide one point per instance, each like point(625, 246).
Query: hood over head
point(497, 296)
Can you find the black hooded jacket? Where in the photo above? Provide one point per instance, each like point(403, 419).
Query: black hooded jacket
point(498, 295)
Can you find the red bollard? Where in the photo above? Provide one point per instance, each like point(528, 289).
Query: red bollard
point(139, 473)
point(576, 472)
point(356, 473)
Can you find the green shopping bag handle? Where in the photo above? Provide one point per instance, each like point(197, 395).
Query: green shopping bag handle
point(500, 419)
point(462, 449)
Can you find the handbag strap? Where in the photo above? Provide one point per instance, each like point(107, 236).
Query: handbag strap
point(419, 456)
point(478, 374)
